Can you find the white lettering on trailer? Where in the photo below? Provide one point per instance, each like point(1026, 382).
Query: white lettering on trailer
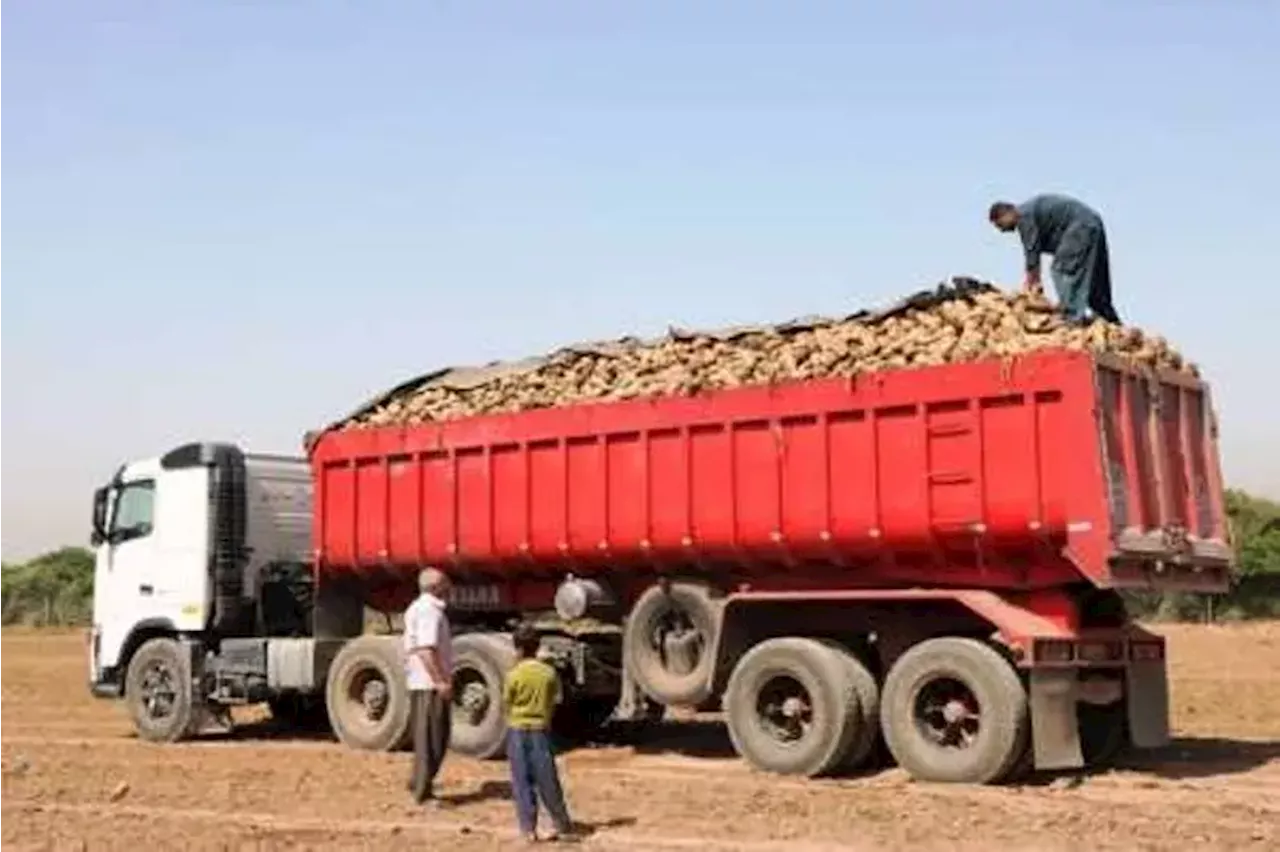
point(487, 596)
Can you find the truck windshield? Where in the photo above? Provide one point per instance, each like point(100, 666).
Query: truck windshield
point(134, 511)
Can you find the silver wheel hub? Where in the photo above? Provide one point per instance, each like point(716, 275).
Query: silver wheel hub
point(374, 697)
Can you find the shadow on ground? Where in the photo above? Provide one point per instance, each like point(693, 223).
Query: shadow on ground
point(269, 730)
point(1185, 758)
point(1203, 757)
point(489, 791)
point(698, 738)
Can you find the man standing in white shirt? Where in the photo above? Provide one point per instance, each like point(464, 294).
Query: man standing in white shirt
point(429, 673)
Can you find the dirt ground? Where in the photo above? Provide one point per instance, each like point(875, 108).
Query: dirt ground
point(74, 778)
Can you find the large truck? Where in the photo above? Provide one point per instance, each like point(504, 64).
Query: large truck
point(931, 559)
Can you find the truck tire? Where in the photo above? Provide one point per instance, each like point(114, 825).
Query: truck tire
point(1104, 732)
point(792, 707)
point(867, 694)
point(366, 694)
point(669, 643)
point(480, 662)
point(955, 711)
point(159, 692)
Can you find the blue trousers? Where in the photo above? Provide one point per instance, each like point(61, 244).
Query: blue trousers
point(533, 777)
point(1082, 273)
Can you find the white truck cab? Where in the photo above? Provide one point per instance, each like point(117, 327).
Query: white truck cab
point(206, 596)
point(189, 548)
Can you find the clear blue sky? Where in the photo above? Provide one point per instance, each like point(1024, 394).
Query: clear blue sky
point(236, 223)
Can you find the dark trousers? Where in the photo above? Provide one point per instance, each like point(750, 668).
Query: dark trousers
point(431, 719)
point(1082, 273)
point(533, 777)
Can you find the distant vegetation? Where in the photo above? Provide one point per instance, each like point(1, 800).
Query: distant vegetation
point(1255, 525)
point(53, 589)
point(56, 588)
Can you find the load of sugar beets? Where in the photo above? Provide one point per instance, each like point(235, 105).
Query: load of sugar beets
point(964, 320)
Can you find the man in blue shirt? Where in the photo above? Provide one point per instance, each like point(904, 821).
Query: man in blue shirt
point(1072, 232)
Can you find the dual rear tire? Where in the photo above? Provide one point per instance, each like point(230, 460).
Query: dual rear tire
point(955, 711)
point(800, 706)
point(368, 703)
point(951, 710)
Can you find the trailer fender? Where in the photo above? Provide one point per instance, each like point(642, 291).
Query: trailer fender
point(880, 611)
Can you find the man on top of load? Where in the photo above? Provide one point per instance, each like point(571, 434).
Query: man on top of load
point(1072, 232)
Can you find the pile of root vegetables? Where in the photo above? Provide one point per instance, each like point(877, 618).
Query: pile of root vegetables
point(963, 321)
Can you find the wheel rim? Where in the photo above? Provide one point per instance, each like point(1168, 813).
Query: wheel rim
point(471, 698)
point(159, 690)
point(368, 697)
point(947, 714)
point(784, 710)
point(676, 642)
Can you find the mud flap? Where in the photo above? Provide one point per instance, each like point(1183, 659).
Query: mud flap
point(1055, 730)
point(1147, 688)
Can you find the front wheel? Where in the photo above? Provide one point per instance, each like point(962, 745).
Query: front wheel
point(159, 692)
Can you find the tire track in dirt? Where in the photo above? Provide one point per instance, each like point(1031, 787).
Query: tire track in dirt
point(179, 777)
point(434, 829)
point(677, 789)
point(1260, 785)
point(1262, 778)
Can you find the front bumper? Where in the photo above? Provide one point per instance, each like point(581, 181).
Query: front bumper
point(107, 685)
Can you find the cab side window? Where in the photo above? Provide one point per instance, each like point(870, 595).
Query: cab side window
point(134, 514)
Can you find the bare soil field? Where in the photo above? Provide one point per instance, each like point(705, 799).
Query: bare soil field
point(75, 778)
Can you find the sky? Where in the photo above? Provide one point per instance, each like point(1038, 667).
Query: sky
point(237, 221)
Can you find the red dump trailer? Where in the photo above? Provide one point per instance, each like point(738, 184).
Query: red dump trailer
point(932, 556)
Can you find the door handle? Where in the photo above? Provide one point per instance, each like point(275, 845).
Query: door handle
point(146, 589)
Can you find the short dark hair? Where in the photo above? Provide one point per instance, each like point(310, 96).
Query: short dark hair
point(526, 640)
point(999, 209)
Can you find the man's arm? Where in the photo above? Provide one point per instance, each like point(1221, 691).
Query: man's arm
point(1030, 235)
point(431, 659)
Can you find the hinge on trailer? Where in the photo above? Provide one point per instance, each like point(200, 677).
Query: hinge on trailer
point(1155, 399)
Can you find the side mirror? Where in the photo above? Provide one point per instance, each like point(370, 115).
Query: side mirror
point(98, 533)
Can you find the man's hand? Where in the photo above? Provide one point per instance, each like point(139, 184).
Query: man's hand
point(431, 660)
point(1032, 285)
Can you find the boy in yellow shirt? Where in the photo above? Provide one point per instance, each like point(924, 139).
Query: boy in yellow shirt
point(530, 694)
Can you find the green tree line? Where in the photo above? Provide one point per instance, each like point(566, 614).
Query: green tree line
point(53, 589)
point(56, 589)
point(1255, 593)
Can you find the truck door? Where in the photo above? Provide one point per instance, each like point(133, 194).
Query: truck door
point(125, 567)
